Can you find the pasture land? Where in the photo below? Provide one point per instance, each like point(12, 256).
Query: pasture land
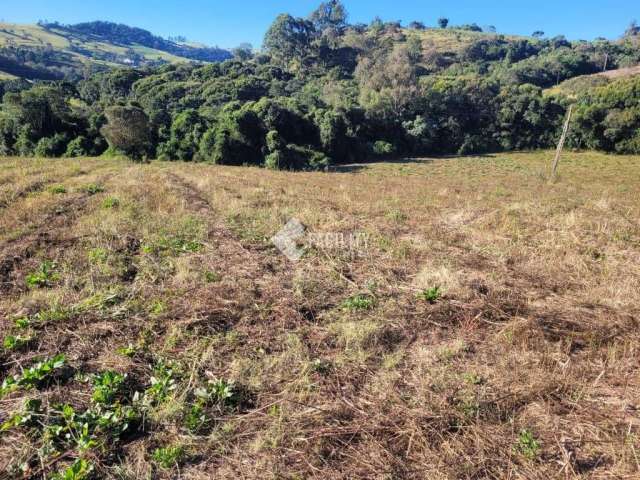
point(485, 324)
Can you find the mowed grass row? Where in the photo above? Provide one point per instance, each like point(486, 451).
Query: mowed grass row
point(484, 327)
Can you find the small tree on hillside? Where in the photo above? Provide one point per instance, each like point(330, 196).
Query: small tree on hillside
point(127, 130)
point(443, 22)
point(244, 51)
point(538, 34)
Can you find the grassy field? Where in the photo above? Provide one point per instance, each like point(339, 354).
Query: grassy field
point(484, 326)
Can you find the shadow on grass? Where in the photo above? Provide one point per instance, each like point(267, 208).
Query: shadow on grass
point(356, 167)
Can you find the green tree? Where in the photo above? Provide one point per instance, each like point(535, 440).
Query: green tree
point(128, 131)
point(289, 39)
point(185, 134)
point(330, 14)
point(443, 22)
point(387, 82)
point(243, 52)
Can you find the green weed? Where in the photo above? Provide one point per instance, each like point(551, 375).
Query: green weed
point(172, 245)
point(80, 470)
point(431, 295)
point(45, 276)
point(93, 189)
point(110, 203)
point(33, 377)
point(106, 387)
point(528, 445)
point(359, 302)
point(98, 255)
point(168, 457)
point(196, 419)
point(58, 189)
point(220, 392)
point(163, 382)
point(128, 351)
point(22, 323)
point(212, 277)
point(472, 379)
point(18, 342)
point(54, 314)
point(26, 418)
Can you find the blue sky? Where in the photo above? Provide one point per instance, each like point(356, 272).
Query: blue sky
point(228, 23)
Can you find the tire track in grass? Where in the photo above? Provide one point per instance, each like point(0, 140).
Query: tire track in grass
point(250, 279)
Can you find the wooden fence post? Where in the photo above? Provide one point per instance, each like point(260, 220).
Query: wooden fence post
point(563, 139)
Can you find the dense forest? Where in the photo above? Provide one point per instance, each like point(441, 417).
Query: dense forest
point(323, 91)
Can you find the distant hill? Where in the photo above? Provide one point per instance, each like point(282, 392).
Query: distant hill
point(54, 51)
point(578, 85)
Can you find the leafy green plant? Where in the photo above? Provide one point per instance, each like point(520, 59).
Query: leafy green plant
point(22, 323)
point(431, 295)
point(321, 366)
point(93, 189)
point(110, 202)
point(80, 470)
point(12, 342)
point(157, 308)
point(212, 277)
point(528, 445)
point(98, 255)
point(99, 425)
point(163, 381)
point(168, 457)
point(54, 314)
point(220, 392)
point(58, 189)
point(359, 302)
point(106, 387)
point(34, 376)
point(128, 351)
point(382, 148)
point(196, 419)
point(472, 378)
point(174, 245)
point(43, 277)
point(26, 418)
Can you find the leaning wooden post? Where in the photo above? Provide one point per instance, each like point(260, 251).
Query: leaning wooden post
point(563, 139)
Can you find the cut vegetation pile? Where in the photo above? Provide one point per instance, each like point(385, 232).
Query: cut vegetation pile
point(487, 328)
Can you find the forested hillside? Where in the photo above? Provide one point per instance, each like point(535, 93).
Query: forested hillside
point(51, 51)
point(325, 91)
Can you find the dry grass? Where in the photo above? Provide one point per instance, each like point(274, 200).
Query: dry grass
point(536, 329)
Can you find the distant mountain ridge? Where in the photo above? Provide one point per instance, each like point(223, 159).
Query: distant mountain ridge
point(50, 51)
point(121, 34)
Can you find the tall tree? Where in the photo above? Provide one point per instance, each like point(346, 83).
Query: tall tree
point(289, 39)
point(387, 82)
point(331, 14)
point(443, 22)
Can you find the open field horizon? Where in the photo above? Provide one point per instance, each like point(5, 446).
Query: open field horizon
point(484, 326)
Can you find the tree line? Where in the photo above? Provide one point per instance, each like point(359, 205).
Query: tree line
point(324, 91)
